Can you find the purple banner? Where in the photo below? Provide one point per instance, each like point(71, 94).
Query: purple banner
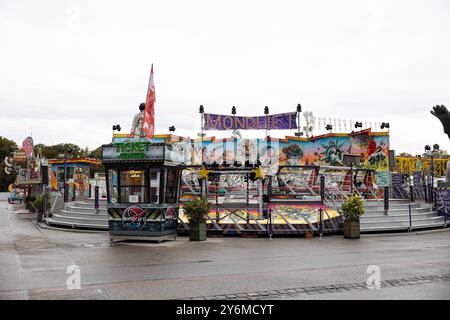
point(282, 121)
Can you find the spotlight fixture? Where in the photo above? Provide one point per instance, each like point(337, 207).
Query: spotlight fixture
point(117, 127)
point(172, 128)
point(201, 109)
point(266, 110)
point(436, 147)
point(427, 148)
point(358, 124)
point(329, 127)
point(384, 125)
point(233, 110)
point(299, 108)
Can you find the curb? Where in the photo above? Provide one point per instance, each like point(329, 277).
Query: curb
point(43, 225)
point(412, 233)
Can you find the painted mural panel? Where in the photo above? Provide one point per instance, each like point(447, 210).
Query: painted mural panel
point(328, 150)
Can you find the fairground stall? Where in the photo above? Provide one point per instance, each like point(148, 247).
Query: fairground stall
point(142, 190)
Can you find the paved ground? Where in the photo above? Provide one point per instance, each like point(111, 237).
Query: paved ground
point(33, 264)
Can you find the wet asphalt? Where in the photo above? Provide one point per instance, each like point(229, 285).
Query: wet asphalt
point(34, 263)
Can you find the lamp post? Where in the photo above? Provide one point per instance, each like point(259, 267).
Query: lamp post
point(233, 112)
point(201, 110)
point(266, 112)
point(431, 154)
point(69, 151)
point(299, 110)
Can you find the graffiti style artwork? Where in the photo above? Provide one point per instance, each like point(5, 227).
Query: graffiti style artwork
point(301, 214)
point(134, 218)
point(326, 150)
point(332, 154)
point(141, 220)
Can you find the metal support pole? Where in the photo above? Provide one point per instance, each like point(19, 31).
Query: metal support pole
point(65, 169)
point(432, 181)
point(269, 211)
point(44, 204)
point(322, 188)
point(320, 223)
point(216, 179)
point(248, 187)
point(386, 199)
point(74, 191)
point(411, 193)
point(410, 222)
point(351, 178)
point(260, 196)
point(90, 191)
point(66, 192)
point(96, 198)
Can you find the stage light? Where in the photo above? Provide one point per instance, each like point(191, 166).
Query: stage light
point(233, 110)
point(427, 148)
point(358, 124)
point(329, 127)
point(299, 108)
point(436, 147)
point(266, 110)
point(384, 125)
point(172, 128)
point(117, 127)
point(201, 109)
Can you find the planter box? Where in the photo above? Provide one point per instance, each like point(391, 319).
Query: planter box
point(351, 230)
point(197, 231)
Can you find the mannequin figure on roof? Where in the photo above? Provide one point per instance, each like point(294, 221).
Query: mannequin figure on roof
point(136, 127)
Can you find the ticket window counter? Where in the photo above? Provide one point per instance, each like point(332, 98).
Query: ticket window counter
point(143, 186)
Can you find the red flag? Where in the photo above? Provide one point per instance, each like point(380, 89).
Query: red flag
point(148, 124)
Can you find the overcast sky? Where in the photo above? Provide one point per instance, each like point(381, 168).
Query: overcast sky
point(69, 70)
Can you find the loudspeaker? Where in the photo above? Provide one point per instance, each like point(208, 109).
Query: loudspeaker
point(44, 172)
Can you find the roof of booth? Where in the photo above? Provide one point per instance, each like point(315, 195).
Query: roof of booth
point(76, 160)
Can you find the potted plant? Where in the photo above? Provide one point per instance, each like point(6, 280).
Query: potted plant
point(197, 211)
point(38, 205)
point(352, 209)
point(29, 203)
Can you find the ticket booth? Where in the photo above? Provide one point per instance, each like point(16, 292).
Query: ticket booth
point(142, 181)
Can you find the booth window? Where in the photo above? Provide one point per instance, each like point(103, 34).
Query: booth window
point(133, 186)
point(154, 184)
point(112, 183)
point(171, 186)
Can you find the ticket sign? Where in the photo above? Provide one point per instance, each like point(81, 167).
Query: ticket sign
point(133, 151)
point(383, 178)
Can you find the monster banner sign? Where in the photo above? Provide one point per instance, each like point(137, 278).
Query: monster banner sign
point(282, 121)
point(442, 201)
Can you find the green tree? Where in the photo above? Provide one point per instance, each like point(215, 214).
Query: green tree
point(96, 154)
point(6, 147)
point(52, 152)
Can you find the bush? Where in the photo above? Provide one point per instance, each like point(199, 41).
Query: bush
point(38, 204)
point(197, 209)
point(353, 208)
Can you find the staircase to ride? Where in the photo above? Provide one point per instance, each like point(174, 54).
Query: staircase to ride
point(375, 219)
point(81, 214)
